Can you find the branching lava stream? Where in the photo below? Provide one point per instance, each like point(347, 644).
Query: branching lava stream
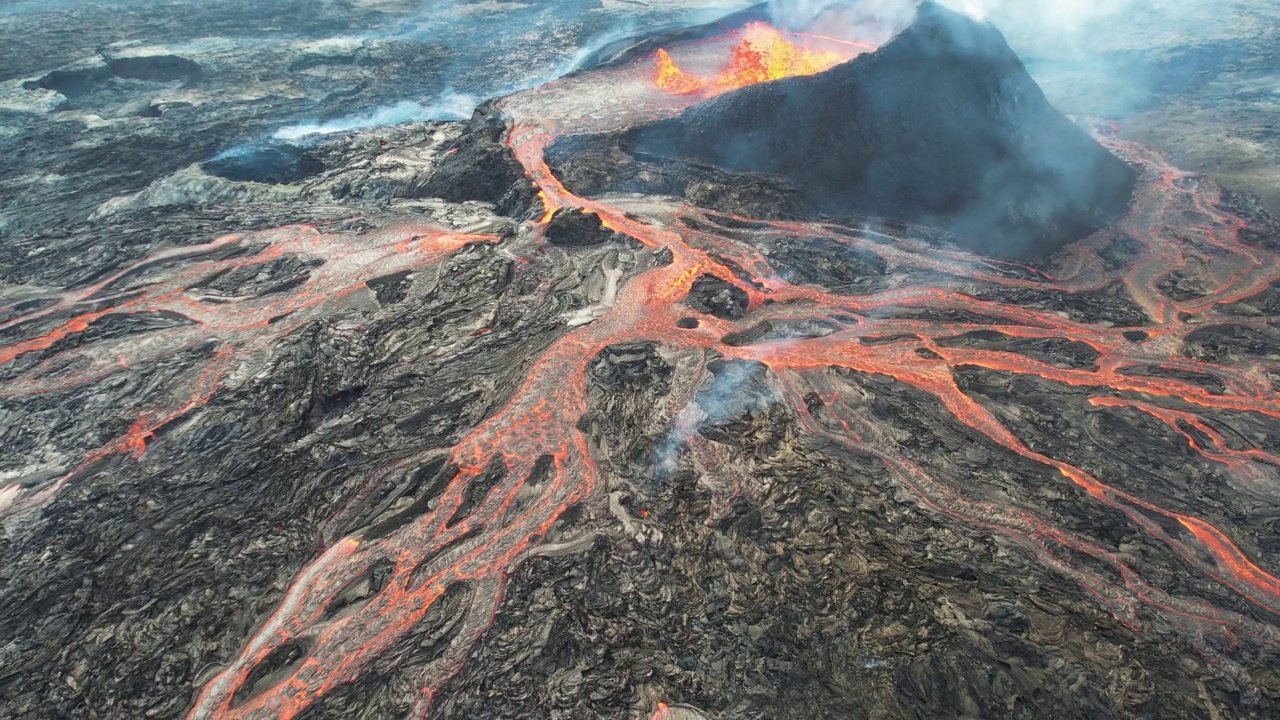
point(466, 544)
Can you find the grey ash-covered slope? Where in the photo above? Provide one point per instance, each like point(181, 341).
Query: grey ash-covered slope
point(943, 125)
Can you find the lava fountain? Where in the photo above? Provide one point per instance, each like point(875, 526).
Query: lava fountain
point(763, 54)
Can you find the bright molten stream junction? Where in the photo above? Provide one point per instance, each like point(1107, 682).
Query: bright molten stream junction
point(1010, 487)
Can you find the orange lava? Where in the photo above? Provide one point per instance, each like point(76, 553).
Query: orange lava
point(1177, 222)
point(549, 207)
point(764, 54)
point(541, 420)
point(236, 328)
point(675, 80)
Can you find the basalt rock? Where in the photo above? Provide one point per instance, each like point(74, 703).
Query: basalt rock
point(149, 68)
point(942, 126)
point(271, 163)
point(479, 166)
point(576, 228)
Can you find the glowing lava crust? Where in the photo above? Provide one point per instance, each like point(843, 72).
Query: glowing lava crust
point(1176, 224)
point(510, 479)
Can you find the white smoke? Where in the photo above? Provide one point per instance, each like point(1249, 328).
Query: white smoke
point(873, 21)
point(1068, 15)
point(449, 106)
point(1060, 15)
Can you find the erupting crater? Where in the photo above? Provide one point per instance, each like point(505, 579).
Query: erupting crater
point(941, 126)
point(764, 54)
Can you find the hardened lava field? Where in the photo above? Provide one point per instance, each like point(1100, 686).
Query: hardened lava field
point(449, 439)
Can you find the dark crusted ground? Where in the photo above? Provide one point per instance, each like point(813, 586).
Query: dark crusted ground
point(829, 593)
point(829, 590)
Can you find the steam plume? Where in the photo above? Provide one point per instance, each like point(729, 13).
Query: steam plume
point(1068, 22)
point(449, 106)
point(1061, 14)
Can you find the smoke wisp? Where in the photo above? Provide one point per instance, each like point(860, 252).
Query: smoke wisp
point(1068, 15)
point(450, 105)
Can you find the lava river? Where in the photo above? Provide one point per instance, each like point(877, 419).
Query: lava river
point(513, 476)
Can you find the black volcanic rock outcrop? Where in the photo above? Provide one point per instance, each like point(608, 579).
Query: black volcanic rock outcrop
point(479, 166)
point(576, 228)
point(147, 68)
point(273, 163)
point(942, 126)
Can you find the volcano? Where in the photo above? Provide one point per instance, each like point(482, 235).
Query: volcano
point(559, 412)
point(942, 126)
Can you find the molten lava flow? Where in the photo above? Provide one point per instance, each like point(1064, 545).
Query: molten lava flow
point(762, 55)
point(540, 421)
point(541, 418)
point(456, 554)
point(237, 328)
